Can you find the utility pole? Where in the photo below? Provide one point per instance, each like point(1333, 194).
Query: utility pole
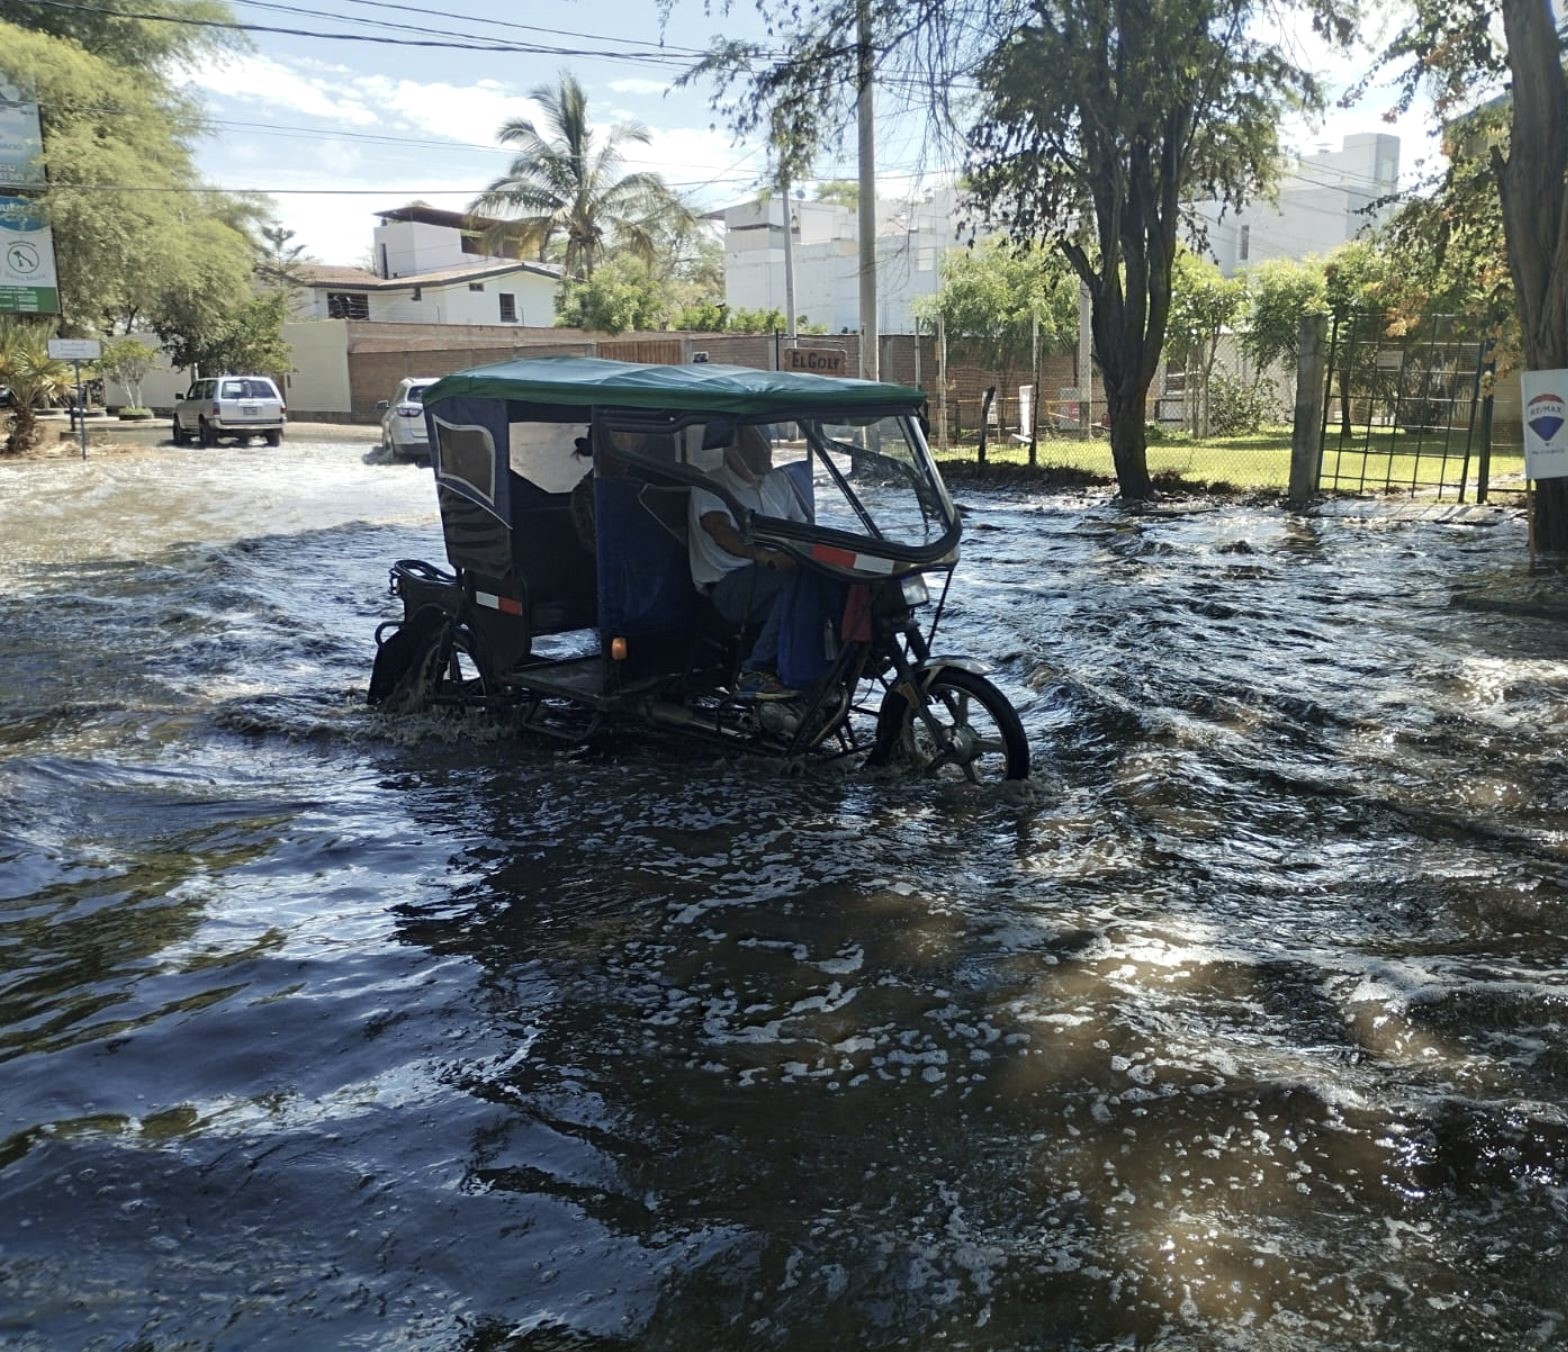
point(1085, 360)
point(1034, 398)
point(941, 384)
point(789, 258)
point(870, 363)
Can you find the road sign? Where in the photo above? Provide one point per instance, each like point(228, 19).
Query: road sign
point(819, 361)
point(75, 349)
point(27, 278)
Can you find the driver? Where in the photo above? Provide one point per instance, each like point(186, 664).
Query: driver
point(747, 583)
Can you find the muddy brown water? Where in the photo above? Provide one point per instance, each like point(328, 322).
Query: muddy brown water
point(1246, 1027)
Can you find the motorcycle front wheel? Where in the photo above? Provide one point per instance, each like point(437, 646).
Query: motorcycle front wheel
point(977, 736)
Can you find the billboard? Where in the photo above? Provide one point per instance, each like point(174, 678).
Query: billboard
point(1545, 424)
point(21, 142)
point(27, 278)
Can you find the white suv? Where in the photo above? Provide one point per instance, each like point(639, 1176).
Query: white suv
point(229, 406)
point(403, 431)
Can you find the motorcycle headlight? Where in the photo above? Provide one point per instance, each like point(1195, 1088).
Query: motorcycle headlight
point(915, 591)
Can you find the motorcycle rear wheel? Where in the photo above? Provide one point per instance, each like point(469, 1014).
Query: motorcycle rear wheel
point(442, 671)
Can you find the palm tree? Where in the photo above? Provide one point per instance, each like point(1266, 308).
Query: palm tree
point(32, 376)
point(564, 184)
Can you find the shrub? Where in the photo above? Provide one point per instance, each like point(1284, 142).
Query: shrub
point(135, 414)
point(1236, 407)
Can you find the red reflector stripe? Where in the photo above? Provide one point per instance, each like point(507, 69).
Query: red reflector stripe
point(505, 604)
point(839, 558)
point(847, 558)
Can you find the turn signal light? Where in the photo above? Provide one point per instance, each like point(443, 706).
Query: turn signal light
point(618, 649)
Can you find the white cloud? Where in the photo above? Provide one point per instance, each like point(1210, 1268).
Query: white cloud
point(639, 86)
point(699, 161)
point(312, 176)
point(260, 79)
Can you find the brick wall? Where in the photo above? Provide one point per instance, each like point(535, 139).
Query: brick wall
point(380, 355)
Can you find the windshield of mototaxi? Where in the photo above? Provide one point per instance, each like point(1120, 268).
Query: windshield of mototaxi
point(871, 477)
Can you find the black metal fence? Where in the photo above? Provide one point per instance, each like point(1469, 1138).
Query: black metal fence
point(1407, 407)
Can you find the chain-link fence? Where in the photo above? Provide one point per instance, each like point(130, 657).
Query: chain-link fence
point(1213, 416)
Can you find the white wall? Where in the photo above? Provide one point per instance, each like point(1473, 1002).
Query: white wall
point(415, 246)
point(1321, 204)
point(319, 384)
point(451, 302)
point(159, 385)
point(454, 303)
point(319, 381)
point(911, 236)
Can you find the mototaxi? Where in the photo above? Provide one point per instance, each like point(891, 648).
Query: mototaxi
point(564, 487)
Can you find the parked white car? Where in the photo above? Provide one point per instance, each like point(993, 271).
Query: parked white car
point(403, 434)
point(238, 407)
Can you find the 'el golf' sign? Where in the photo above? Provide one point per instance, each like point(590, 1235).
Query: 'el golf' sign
point(819, 361)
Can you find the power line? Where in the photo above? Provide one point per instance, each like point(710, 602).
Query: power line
point(507, 23)
point(526, 49)
point(278, 8)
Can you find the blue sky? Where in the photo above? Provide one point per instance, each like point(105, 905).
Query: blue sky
point(338, 130)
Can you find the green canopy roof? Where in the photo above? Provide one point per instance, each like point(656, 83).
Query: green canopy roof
point(700, 388)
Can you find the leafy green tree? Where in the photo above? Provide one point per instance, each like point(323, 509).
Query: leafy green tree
point(1363, 298)
point(107, 119)
point(689, 260)
point(704, 317)
point(999, 301)
point(755, 321)
point(127, 360)
point(1205, 306)
point(1446, 242)
point(280, 262)
point(1458, 48)
point(196, 304)
point(566, 182)
point(1147, 107)
point(32, 376)
point(624, 294)
point(1094, 123)
point(247, 338)
point(844, 192)
point(716, 317)
point(152, 36)
point(1280, 291)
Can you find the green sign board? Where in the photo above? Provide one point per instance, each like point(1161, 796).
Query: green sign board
point(21, 142)
point(27, 277)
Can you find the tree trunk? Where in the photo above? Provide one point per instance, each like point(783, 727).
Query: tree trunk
point(1129, 438)
point(1535, 216)
point(24, 428)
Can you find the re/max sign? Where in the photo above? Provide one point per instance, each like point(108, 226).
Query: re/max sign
point(821, 361)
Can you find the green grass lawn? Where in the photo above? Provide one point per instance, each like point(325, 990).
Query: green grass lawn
point(1261, 461)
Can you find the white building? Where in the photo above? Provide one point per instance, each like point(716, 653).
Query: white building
point(910, 238)
point(432, 267)
point(1324, 200)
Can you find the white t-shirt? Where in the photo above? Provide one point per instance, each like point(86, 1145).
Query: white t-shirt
point(774, 496)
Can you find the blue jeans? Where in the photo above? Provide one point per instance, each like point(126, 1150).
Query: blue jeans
point(747, 595)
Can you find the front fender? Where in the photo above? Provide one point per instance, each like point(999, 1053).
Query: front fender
point(934, 664)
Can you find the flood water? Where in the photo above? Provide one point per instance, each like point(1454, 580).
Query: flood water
point(1247, 1027)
